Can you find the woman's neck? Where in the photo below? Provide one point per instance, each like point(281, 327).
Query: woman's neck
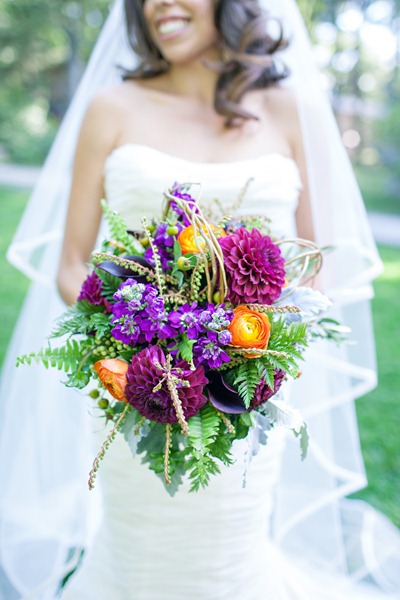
point(194, 80)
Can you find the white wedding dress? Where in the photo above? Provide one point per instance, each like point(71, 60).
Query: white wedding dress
point(216, 544)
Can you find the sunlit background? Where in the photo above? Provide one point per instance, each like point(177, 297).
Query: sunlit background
point(44, 45)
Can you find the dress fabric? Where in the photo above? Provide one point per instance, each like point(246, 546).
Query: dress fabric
point(215, 544)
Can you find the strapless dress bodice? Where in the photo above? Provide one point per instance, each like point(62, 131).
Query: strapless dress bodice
point(135, 177)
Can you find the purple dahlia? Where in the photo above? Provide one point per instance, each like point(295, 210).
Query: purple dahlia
point(142, 377)
point(254, 265)
point(91, 290)
point(263, 392)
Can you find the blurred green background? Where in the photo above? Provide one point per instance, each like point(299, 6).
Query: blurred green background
point(44, 47)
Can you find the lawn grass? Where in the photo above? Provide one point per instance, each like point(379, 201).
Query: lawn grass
point(378, 184)
point(13, 283)
point(378, 412)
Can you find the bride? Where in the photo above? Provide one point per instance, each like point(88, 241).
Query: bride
point(209, 101)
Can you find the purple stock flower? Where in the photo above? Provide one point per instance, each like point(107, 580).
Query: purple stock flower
point(164, 243)
point(146, 371)
point(139, 314)
point(216, 318)
point(207, 351)
point(188, 198)
point(255, 268)
point(186, 320)
point(91, 290)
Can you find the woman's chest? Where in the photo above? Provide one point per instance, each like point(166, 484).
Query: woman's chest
point(197, 133)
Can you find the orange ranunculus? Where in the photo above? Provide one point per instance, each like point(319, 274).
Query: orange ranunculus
point(249, 329)
point(187, 240)
point(112, 374)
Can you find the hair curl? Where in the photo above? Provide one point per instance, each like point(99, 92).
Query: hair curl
point(246, 47)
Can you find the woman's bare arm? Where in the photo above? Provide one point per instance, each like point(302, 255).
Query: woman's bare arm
point(96, 140)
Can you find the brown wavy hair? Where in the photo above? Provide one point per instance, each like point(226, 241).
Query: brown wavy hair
point(247, 49)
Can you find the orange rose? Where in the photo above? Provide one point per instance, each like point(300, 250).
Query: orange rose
point(249, 329)
point(187, 240)
point(112, 374)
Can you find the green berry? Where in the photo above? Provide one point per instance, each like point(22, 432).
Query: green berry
point(172, 230)
point(103, 403)
point(94, 394)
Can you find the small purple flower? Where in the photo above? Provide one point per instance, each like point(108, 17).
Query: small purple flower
point(139, 314)
point(216, 317)
point(207, 352)
point(181, 213)
point(186, 320)
point(224, 337)
point(126, 330)
point(164, 243)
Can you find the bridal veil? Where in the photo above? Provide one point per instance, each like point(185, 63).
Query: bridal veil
point(46, 511)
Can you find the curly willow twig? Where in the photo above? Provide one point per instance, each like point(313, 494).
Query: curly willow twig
point(308, 261)
point(210, 251)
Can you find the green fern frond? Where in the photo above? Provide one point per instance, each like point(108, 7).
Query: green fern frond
point(246, 380)
point(110, 283)
point(203, 430)
point(200, 471)
point(118, 230)
point(266, 372)
point(64, 358)
point(83, 324)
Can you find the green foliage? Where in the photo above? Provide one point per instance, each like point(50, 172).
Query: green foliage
point(185, 348)
point(203, 431)
point(221, 447)
point(247, 377)
point(110, 283)
point(83, 318)
point(69, 357)
point(118, 231)
point(43, 44)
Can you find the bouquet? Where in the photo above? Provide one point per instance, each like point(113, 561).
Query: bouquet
point(188, 329)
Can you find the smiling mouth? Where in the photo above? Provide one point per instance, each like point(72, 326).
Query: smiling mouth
point(170, 26)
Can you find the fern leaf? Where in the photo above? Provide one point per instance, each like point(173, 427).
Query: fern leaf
point(203, 429)
point(118, 230)
point(246, 380)
point(64, 358)
point(185, 348)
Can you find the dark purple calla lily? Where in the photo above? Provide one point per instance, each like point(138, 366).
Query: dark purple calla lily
point(110, 267)
point(223, 396)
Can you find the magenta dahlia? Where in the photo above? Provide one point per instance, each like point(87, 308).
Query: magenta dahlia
point(254, 265)
point(143, 376)
point(263, 392)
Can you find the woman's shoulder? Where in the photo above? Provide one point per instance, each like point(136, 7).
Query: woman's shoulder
point(281, 101)
point(117, 96)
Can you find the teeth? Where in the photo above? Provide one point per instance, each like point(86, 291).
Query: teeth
point(171, 26)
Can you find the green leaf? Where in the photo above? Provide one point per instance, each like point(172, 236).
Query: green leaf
point(118, 231)
point(201, 470)
point(203, 429)
point(222, 446)
point(110, 283)
point(185, 348)
point(79, 379)
point(64, 358)
point(246, 380)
